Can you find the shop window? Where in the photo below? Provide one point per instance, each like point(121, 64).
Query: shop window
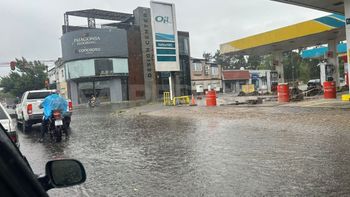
point(197, 67)
point(85, 91)
point(120, 65)
point(103, 67)
point(95, 67)
point(214, 71)
point(80, 68)
point(102, 90)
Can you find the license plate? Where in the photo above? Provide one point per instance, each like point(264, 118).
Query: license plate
point(58, 122)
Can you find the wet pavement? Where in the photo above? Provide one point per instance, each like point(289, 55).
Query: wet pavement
point(200, 151)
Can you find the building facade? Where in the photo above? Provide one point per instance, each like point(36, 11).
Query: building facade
point(182, 78)
point(205, 76)
point(115, 62)
point(264, 80)
point(96, 63)
point(233, 80)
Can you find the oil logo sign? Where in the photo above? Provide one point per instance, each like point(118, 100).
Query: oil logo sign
point(163, 19)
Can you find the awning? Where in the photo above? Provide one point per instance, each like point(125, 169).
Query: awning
point(305, 34)
point(235, 75)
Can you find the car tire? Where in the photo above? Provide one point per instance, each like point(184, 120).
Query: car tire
point(18, 122)
point(26, 126)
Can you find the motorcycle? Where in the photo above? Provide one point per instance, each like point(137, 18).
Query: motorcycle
point(92, 102)
point(56, 126)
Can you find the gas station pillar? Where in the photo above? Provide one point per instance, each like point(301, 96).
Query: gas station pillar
point(332, 58)
point(347, 30)
point(277, 62)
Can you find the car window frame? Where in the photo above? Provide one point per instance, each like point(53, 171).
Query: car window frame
point(16, 171)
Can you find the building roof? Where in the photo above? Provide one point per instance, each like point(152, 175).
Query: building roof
point(304, 34)
point(334, 6)
point(235, 75)
point(100, 14)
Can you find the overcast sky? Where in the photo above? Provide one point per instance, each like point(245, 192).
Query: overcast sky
point(32, 29)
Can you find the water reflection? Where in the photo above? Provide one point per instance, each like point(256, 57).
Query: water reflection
point(141, 155)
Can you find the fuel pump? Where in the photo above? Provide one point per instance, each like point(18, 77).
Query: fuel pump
point(273, 81)
point(328, 75)
point(327, 71)
point(330, 70)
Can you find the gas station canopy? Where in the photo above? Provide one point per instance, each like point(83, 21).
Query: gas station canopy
point(333, 6)
point(305, 34)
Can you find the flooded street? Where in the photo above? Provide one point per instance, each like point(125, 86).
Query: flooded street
point(222, 151)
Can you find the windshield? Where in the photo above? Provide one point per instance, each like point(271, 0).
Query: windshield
point(37, 95)
point(183, 98)
point(2, 114)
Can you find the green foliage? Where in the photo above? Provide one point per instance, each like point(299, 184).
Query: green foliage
point(27, 76)
point(229, 61)
point(207, 56)
point(294, 66)
point(5, 96)
point(291, 62)
point(266, 63)
point(302, 69)
point(254, 61)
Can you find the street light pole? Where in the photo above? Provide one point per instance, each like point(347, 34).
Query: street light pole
point(291, 61)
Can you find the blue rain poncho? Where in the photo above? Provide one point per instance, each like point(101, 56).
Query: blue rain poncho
point(53, 102)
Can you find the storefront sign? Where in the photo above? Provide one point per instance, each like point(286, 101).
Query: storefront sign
point(93, 43)
point(147, 47)
point(248, 88)
point(165, 37)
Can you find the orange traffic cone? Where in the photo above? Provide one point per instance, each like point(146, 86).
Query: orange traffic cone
point(193, 102)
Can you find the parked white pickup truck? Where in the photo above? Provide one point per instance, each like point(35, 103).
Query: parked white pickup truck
point(28, 111)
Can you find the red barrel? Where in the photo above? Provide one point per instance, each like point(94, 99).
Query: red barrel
point(211, 98)
point(330, 90)
point(283, 92)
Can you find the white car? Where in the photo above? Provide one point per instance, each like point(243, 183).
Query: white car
point(7, 122)
point(28, 110)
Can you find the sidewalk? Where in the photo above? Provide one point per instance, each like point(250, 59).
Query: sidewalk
point(119, 105)
point(322, 103)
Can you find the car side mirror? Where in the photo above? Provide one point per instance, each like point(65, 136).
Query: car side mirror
point(63, 173)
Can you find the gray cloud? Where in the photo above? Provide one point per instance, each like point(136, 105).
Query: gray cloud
point(32, 28)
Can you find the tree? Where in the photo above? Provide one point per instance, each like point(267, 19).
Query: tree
point(266, 63)
point(207, 56)
point(27, 76)
point(229, 61)
point(239, 61)
point(253, 62)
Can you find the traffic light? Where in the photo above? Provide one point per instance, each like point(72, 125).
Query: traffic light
point(13, 65)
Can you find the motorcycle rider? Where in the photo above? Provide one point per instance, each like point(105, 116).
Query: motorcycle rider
point(52, 102)
point(92, 101)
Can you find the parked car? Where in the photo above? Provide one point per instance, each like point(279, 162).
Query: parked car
point(17, 179)
point(28, 111)
point(9, 125)
point(314, 83)
point(314, 87)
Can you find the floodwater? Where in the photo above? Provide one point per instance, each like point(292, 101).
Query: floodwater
point(267, 152)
